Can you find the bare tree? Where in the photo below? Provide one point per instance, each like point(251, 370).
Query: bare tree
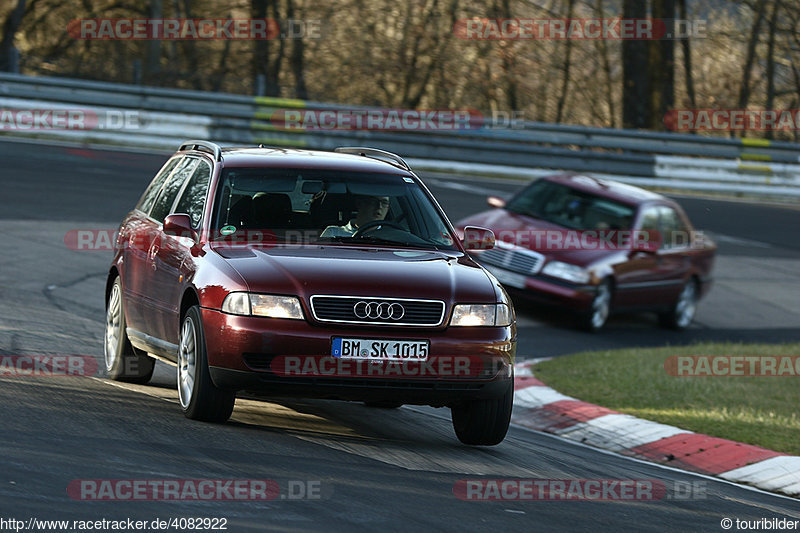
point(635, 81)
point(10, 26)
point(744, 91)
point(567, 65)
point(773, 23)
point(686, 46)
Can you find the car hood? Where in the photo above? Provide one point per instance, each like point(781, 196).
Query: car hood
point(516, 229)
point(379, 272)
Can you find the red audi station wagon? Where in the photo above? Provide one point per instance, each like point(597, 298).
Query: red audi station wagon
point(311, 274)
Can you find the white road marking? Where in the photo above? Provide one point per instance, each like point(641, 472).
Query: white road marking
point(617, 432)
point(744, 242)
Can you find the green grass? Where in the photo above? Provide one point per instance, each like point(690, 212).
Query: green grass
point(755, 410)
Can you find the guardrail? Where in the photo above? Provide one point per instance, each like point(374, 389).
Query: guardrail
point(681, 161)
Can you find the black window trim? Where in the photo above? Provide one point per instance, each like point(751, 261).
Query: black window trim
point(177, 196)
point(186, 184)
point(166, 179)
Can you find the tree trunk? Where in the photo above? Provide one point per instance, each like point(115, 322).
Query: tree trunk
point(562, 98)
point(297, 58)
point(263, 66)
point(773, 23)
point(744, 91)
point(10, 27)
point(635, 83)
point(687, 58)
point(661, 67)
point(609, 89)
point(153, 64)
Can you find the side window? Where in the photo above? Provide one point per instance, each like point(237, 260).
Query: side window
point(649, 219)
point(194, 196)
point(672, 228)
point(649, 223)
point(169, 191)
point(149, 196)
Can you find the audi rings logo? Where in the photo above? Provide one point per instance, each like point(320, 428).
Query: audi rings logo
point(379, 310)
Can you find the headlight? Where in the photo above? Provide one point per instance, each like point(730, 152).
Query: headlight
point(242, 303)
point(237, 303)
point(276, 306)
point(481, 315)
point(573, 273)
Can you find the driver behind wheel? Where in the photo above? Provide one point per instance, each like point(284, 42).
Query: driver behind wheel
point(370, 209)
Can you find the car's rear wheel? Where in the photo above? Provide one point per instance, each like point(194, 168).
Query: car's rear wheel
point(682, 313)
point(200, 399)
point(122, 361)
point(484, 422)
point(600, 310)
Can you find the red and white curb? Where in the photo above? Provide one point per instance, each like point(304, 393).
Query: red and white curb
point(541, 408)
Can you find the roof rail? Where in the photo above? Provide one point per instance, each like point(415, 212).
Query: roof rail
point(204, 146)
point(393, 159)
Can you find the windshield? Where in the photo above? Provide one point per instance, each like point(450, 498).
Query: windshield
point(307, 206)
point(571, 208)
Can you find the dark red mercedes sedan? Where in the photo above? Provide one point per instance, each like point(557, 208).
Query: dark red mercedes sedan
point(596, 246)
point(301, 273)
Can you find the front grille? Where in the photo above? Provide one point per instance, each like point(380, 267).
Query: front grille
point(521, 261)
point(341, 309)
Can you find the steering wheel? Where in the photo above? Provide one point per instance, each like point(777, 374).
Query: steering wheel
point(375, 223)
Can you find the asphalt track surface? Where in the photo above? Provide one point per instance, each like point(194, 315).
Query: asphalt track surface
point(377, 470)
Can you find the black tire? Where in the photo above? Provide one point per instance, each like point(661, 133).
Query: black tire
point(484, 422)
point(122, 361)
point(203, 400)
point(385, 404)
point(595, 319)
point(682, 312)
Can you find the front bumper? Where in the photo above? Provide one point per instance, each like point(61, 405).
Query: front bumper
point(246, 353)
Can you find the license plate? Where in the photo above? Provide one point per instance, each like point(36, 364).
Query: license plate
point(512, 279)
point(379, 349)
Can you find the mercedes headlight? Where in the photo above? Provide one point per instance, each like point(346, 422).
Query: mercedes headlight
point(565, 271)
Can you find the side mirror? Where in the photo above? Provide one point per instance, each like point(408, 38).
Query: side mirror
point(647, 241)
point(179, 225)
point(496, 201)
point(476, 238)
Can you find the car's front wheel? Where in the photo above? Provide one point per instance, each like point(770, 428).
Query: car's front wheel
point(484, 422)
point(200, 398)
point(682, 312)
point(597, 316)
point(122, 361)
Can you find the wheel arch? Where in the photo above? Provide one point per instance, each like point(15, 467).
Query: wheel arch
point(188, 300)
point(113, 274)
